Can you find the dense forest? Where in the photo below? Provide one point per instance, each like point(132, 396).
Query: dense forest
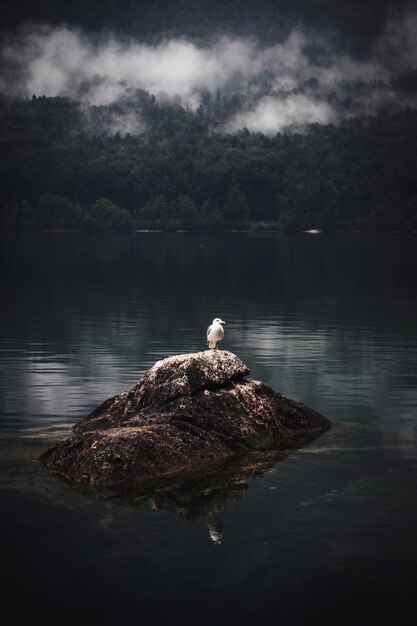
point(59, 171)
point(158, 162)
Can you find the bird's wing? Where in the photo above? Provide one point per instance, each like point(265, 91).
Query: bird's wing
point(209, 330)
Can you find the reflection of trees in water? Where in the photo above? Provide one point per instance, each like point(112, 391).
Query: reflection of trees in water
point(203, 494)
point(117, 302)
point(144, 262)
point(136, 275)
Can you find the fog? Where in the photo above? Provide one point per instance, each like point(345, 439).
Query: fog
point(271, 114)
point(300, 80)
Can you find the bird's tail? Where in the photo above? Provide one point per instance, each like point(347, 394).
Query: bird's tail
point(211, 343)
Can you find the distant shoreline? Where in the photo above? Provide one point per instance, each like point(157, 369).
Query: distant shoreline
point(255, 229)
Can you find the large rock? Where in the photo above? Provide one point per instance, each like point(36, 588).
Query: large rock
point(186, 412)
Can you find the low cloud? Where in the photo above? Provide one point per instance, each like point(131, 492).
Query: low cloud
point(271, 115)
point(297, 81)
point(61, 61)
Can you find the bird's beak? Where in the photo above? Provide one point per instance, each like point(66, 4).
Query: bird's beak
point(221, 322)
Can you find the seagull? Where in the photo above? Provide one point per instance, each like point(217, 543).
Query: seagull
point(215, 333)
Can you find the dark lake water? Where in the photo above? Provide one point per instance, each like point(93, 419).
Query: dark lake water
point(327, 534)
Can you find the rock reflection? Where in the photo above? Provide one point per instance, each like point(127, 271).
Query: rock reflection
point(196, 495)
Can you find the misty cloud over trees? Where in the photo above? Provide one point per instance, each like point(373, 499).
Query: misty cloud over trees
point(208, 114)
point(303, 78)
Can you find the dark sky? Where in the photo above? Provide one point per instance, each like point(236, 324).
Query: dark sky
point(356, 20)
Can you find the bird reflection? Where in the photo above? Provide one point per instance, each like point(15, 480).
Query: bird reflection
point(215, 527)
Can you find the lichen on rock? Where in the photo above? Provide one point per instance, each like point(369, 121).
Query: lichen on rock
point(185, 413)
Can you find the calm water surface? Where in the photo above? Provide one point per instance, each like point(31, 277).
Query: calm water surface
point(327, 534)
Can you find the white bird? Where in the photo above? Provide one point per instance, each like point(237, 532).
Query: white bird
point(215, 333)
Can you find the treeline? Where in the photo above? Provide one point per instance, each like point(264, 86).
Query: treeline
point(57, 170)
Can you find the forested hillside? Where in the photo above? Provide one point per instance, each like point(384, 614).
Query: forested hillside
point(58, 171)
point(289, 114)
